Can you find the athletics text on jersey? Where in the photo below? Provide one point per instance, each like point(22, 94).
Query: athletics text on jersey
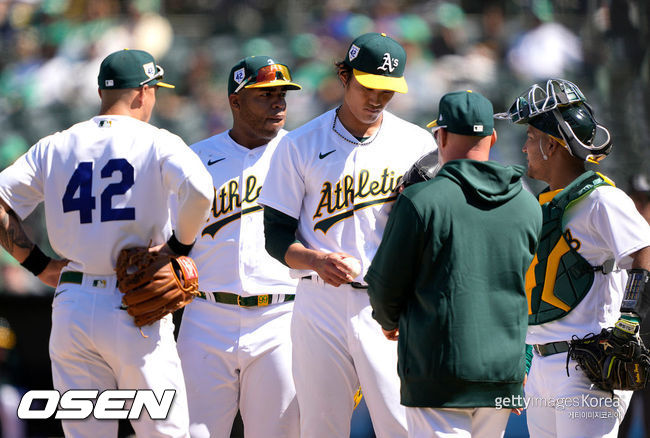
point(230, 251)
point(342, 190)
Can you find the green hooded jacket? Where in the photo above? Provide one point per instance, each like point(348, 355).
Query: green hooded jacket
point(450, 273)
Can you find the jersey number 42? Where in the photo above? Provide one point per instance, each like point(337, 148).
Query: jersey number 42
point(81, 181)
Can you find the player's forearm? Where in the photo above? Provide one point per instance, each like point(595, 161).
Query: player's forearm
point(641, 259)
point(279, 233)
point(12, 235)
point(387, 302)
point(14, 239)
point(194, 203)
point(636, 297)
point(299, 257)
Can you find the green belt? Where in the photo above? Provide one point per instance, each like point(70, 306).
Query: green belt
point(71, 277)
point(238, 300)
point(77, 278)
point(551, 348)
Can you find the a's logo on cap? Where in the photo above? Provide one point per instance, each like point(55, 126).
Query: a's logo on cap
point(353, 53)
point(149, 69)
point(239, 75)
point(270, 61)
point(389, 63)
point(109, 82)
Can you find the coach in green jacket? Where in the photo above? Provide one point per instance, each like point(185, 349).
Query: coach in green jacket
point(448, 279)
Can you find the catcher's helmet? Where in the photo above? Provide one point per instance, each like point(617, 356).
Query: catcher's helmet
point(561, 111)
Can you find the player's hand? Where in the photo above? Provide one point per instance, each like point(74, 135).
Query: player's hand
point(163, 248)
point(391, 335)
point(518, 411)
point(331, 269)
point(52, 272)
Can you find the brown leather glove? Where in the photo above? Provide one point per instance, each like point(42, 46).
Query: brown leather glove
point(154, 283)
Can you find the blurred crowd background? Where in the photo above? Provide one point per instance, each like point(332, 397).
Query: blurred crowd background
point(50, 51)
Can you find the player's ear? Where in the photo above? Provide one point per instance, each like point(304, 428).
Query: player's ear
point(344, 76)
point(553, 145)
point(233, 99)
point(494, 137)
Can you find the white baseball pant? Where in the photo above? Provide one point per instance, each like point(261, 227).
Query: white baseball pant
point(96, 345)
point(337, 345)
point(238, 357)
point(561, 406)
point(456, 422)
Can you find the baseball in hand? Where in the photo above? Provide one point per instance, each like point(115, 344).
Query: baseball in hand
point(354, 266)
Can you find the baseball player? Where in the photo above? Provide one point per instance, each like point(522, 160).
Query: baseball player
point(234, 342)
point(577, 283)
point(106, 184)
point(333, 181)
point(447, 281)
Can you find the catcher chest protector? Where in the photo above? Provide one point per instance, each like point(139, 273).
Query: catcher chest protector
point(559, 277)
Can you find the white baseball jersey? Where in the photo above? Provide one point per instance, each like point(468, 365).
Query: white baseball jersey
point(340, 190)
point(607, 226)
point(104, 187)
point(229, 250)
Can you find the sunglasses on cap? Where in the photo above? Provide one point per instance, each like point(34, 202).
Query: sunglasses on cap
point(538, 100)
point(267, 74)
point(160, 72)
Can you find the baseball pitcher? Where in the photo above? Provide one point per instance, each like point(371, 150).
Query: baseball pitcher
point(326, 201)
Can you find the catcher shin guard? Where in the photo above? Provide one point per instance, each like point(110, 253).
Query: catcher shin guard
point(635, 298)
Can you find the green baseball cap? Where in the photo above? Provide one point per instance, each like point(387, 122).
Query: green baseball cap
point(259, 72)
point(378, 62)
point(130, 69)
point(465, 113)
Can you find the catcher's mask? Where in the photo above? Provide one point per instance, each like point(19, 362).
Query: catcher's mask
point(562, 112)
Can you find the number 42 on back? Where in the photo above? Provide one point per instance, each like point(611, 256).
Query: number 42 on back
point(81, 182)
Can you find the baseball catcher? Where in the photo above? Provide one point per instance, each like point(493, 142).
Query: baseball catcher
point(155, 283)
point(616, 358)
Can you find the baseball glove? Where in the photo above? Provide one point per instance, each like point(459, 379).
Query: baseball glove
point(425, 168)
point(611, 361)
point(154, 283)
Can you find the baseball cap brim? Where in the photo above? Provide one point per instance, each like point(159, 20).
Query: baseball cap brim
point(379, 82)
point(164, 85)
point(434, 124)
point(277, 83)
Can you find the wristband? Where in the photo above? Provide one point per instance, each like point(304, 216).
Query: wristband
point(36, 261)
point(635, 296)
point(178, 247)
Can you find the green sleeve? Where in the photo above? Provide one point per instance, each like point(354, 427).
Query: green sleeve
point(529, 357)
point(394, 269)
point(279, 233)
